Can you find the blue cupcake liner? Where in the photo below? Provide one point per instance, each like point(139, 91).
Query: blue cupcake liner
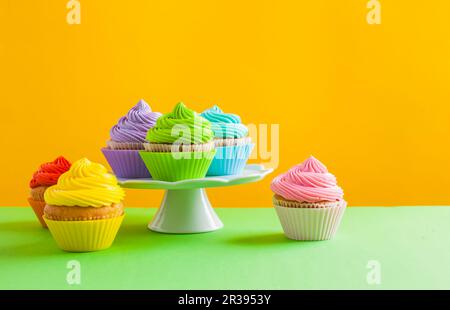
point(230, 160)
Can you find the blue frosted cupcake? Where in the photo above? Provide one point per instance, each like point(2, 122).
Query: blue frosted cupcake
point(231, 140)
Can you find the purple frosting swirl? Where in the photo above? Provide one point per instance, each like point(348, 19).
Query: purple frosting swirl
point(133, 127)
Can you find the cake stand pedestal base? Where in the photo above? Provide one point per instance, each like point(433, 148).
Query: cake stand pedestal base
point(185, 208)
point(185, 211)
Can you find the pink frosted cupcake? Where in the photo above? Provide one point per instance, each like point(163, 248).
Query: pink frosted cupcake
point(308, 201)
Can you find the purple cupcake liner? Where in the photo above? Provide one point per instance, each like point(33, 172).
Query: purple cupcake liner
point(126, 163)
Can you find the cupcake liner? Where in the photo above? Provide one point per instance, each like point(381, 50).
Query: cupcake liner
point(295, 204)
point(161, 147)
point(171, 167)
point(113, 145)
point(84, 236)
point(230, 160)
point(38, 208)
point(126, 163)
point(310, 223)
point(232, 141)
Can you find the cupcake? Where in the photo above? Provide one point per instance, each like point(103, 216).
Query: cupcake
point(308, 201)
point(231, 141)
point(180, 146)
point(127, 138)
point(47, 175)
point(84, 209)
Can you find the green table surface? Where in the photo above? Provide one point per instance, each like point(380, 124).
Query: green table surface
point(409, 244)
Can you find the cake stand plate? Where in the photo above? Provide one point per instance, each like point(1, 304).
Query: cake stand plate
point(185, 208)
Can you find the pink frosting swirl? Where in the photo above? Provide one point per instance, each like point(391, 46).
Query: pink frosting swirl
point(308, 182)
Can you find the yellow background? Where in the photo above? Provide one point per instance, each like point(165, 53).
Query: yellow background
point(371, 101)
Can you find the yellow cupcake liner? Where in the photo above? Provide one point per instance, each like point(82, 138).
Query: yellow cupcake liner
point(84, 236)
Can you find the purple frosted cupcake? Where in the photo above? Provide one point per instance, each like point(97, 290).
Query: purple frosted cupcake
point(127, 138)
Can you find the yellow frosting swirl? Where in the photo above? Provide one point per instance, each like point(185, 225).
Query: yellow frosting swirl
point(86, 184)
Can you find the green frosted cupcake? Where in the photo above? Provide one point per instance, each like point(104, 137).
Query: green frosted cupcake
point(180, 146)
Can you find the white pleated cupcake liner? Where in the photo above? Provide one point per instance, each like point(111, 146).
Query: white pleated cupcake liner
point(310, 223)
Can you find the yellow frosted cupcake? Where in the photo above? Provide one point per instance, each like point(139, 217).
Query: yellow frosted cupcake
point(84, 209)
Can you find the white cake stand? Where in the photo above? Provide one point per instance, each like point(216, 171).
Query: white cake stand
point(185, 208)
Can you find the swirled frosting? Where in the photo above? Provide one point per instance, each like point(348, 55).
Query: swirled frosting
point(86, 184)
point(182, 125)
point(225, 125)
point(133, 127)
point(48, 173)
point(307, 182)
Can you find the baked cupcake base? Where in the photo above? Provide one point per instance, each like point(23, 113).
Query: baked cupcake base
point(37, 193)
point(310, 223)
point(168, 148)
point(232, 141)
point(113, 145)
point(280, 201)
point(69, 213)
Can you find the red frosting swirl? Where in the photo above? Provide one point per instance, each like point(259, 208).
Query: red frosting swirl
point(48, 173)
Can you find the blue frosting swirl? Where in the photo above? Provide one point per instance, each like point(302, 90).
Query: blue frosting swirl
point(225, 125)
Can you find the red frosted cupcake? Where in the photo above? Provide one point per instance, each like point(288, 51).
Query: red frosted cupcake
point(46, 176)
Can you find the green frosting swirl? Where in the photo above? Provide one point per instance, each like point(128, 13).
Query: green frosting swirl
point(183, 126)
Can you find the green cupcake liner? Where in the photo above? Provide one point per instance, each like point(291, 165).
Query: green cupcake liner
point(172, 167)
